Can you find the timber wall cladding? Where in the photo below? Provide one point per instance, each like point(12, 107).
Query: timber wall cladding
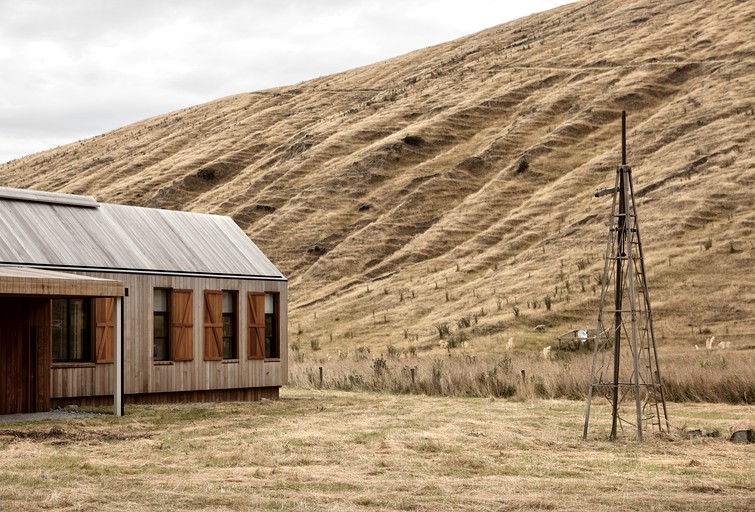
point(213, 395)
point(142, 375)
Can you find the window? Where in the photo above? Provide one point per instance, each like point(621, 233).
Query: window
point(229, 325)
point(263, 325)
point(173, 325)
point(71, 331)
point(271, 326)
point(161, 325)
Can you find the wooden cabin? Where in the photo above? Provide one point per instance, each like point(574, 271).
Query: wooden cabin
point(110, 304)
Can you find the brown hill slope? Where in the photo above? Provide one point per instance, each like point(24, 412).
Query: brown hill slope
point(458, 180)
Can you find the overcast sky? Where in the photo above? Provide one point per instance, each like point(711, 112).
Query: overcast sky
point(77, 68)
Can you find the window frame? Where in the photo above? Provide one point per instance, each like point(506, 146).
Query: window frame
point(234, 316)
point(167, 325)
point(88, 339)
point(275, 343)
point(180, 325)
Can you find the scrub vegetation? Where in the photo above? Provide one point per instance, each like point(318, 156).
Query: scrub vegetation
point(699, 376)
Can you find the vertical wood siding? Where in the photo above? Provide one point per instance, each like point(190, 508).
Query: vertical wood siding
point(143, 375)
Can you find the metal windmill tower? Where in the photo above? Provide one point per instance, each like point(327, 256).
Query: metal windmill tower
point(625, 366)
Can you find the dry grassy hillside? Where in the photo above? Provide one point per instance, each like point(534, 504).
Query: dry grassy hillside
point(458, 180)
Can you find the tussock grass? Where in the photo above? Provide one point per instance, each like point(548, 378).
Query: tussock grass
point(699, 376)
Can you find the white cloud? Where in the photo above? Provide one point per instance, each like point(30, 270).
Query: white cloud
point(82, 67)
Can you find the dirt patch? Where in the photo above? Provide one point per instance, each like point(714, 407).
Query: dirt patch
point(59, 435)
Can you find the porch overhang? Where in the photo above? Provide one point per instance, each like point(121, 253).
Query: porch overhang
point(34, 282)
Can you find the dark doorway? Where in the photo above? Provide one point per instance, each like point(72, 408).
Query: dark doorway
point(24, 355)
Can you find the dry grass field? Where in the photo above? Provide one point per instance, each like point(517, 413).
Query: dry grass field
point(458, 180)
point(339, 451)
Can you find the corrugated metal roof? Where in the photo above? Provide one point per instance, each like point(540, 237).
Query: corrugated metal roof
point(56, 234)
point(37, 196)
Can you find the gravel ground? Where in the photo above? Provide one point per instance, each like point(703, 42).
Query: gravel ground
point(57, 414)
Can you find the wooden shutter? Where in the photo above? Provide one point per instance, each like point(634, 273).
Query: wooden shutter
point(182, 325)
point(213, 325)
point(256, 325)
point(104, 329)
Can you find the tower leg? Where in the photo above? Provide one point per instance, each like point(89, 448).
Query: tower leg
point(620, 254)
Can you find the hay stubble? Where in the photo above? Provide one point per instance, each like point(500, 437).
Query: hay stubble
point(331, 450)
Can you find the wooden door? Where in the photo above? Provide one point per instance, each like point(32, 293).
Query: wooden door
point(16, 360)
point(13, 385)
